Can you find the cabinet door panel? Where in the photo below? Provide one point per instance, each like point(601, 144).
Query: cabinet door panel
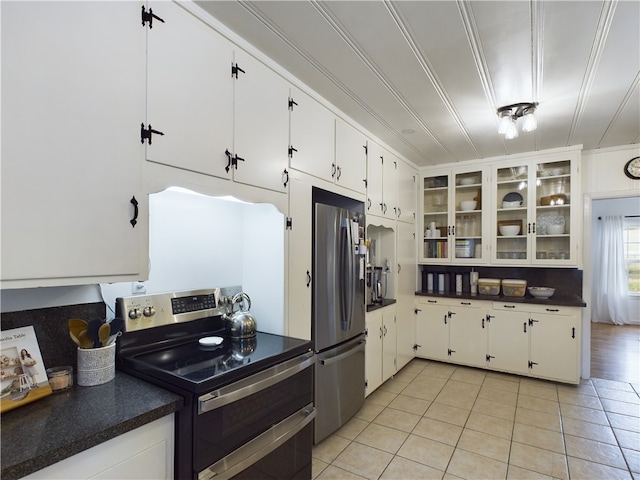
point(389, 342)
point(468, 336)
point(375, 157)
point(261, 125)
point(299, 291)
point(432, 332)
point(390, 186)
point(509, 341)
point(351, 159)
point(407, 200)
point(554, 347)
point(312, 135)
point(72, 103)
point(373, 351)
point(189, 92)
point(406, 317)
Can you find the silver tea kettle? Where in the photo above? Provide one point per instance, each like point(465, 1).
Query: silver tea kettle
point(240, 324)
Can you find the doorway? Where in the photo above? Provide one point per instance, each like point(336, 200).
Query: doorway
point(615, 349)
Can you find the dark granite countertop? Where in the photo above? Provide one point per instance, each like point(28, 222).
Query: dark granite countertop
point(376, 306)
point(63, 424)
point(557, 299)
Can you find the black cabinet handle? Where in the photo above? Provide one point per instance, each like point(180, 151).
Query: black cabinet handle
point(483, 323)
point(285, 175)
point(339, 173)
point(525, 327)
point(509, 306)
point(308, 278)
point(368, 203)
point(134, 220)
point(333, 170)
point(552, 309)
point(573, 332)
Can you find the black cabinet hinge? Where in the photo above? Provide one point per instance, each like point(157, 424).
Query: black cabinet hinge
point(416, 347)
point(148, 17)
point(289, 224)
point(292, 102)
point(366, 149)
point(145, 133)
point(235, 69)
point(291, 150)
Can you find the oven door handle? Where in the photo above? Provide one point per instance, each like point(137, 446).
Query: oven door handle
point(254, 383)
point(259, 447)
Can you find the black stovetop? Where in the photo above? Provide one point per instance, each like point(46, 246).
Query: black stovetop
point(178, 360)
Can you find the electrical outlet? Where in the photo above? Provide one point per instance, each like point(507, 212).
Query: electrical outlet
point(138, 288)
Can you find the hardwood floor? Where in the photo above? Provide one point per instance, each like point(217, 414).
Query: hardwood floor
point(615, 352)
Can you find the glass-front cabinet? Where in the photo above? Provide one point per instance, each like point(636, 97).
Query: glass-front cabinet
point(533, 220)
point(452, 216)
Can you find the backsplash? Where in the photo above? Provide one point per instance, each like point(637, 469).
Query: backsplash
point(52, 330)
point(565, 280)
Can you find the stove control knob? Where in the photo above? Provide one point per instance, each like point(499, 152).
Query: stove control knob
point(135, 313)
point(148, 311)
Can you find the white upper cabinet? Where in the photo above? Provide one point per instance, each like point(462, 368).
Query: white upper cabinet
point(535, 197)
point(375, 157)
point(350, 166)
point(312, 140)
point(72, 104)
point(189, 93)
point(220, 111)
point(382, 183)
point(390, 186)
point(261, 125)
point(455, 215)
point(407, 198)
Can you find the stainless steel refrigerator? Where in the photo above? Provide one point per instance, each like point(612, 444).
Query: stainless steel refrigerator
point(338, 311)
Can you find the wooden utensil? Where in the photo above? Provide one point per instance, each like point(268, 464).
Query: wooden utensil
point(85, 340)
point(103, 333)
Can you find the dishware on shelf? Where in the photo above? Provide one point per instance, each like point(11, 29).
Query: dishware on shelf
point(555, 229)
point(509, 230)
point(541, 292)
point(467, 205)
point(468, 180)
point(512, 200)
point(546, 219)
point(557, 171)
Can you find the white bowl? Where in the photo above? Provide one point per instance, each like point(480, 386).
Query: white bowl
point(509, 230)
point(555, 229)
point(468, 205)
point(468, 180)
point(557, 171)
point(514, 204)
point(541, 292)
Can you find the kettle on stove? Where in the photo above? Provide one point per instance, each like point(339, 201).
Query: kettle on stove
point(240, 324)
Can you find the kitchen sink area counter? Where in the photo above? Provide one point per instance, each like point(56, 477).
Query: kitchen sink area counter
point(64, 424)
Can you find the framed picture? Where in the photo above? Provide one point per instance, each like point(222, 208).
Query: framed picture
point(23, 378)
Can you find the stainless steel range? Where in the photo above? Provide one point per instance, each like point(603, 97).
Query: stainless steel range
point(248, 403)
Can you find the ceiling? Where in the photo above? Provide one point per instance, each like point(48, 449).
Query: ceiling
point(426, 77)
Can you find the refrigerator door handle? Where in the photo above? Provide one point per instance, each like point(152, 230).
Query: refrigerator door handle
point(358, 348)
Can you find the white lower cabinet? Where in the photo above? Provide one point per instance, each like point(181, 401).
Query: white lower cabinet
point(467, 333)
point(508, 341)
point(380, 353)
point(541, 341)
point(143, 453)
point(432, 329)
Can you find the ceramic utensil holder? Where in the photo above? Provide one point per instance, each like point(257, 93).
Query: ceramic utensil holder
point(96, 365)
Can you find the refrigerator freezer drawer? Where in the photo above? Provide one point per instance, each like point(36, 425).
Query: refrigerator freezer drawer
point(339, 386)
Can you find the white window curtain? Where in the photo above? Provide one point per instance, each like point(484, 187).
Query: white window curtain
point(610, 273)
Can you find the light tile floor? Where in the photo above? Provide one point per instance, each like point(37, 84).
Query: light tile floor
point(439, 421)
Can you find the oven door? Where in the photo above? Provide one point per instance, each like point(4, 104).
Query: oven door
point(252, 423)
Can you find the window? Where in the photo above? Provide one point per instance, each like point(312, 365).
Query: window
point(632, 253)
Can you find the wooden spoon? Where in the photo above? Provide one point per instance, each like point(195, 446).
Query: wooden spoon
point(85, 340)
point(103, 334)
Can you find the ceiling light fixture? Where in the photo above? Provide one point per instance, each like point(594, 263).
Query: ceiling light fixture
point(509, 114)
